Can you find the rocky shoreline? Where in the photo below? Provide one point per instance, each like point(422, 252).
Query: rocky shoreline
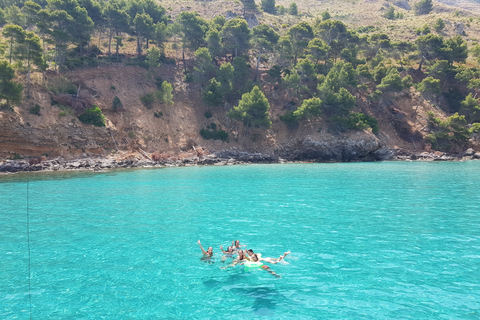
point(226, 157)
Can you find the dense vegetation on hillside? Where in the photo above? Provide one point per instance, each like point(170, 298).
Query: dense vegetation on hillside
point(320, 65)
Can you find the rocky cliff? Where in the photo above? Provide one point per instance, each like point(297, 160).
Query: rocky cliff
point(171, 133)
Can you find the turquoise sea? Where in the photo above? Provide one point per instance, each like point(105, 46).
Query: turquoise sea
point(391, 240)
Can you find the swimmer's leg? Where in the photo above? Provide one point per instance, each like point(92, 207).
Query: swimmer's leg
point(284, 255)
point(270, 271)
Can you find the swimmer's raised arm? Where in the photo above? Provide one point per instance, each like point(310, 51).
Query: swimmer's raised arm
point(209, 252)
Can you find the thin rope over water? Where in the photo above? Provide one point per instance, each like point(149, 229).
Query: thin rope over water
point(29, 260)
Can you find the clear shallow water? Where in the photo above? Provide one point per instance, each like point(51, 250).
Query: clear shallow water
point(368, 240)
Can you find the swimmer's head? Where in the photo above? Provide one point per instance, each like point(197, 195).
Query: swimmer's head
point(210, 251)
point(237, 243)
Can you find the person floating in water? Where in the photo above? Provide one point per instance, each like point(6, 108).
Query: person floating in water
point(254, 258)
point(229, 250)
point(240, 259)
point(270, 260)
point(207, 255)
point(236, 245)
point(227, 253)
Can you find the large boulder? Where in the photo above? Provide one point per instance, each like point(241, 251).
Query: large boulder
point(460, 28)
point(361, 147)
point(251, 20)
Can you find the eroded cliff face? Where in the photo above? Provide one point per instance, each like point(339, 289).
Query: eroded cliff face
point(356, 147)
point(139, 132)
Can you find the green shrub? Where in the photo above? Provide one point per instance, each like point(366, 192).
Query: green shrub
point(356, 121)
point(448, 135)
point(423, 7)
point(375, 95)
point(66, 110)
point(93, 116)
point(475, 128)
point(432, 121)
point(392, 81)
point(117, 104)
point(293, 9)
point(268, 6)
point(138, 62)
point(390, 14)
point(290, 119)
point(167, 93)
point(366, 29)
point(310, 108)
point(379, 72)
point(83, 62)
point(213, 94)
point(280, 10)
point(188, 77)
point(158, 82)
point(407, 81)
point(454, 97)
point(212, 133)
point(208, 114)
point(439, 25)
point(147, 100)
point(35, 110)
point(429, 85)
point(60, 85)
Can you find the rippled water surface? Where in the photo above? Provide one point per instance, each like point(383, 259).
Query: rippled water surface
point(368, 240)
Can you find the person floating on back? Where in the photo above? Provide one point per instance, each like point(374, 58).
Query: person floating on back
point(254, 258)
point(269, 260)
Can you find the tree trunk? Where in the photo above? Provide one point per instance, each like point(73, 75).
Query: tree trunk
point(183, 58)
point(117, 45)
point(258, 64)
point(28, 73)
point(55, 59)
point(110, 42)
point(420, 65)
point(11, 48)
point(139, 46)
point(43, 48)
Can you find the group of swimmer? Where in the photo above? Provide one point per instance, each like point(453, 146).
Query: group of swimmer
point(243, 255)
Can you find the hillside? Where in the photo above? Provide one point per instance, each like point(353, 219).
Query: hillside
point(173, 131)
point(136, 128)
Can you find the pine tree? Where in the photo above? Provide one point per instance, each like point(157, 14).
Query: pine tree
point(252, 109)
point(167, 90)
point(9, 91)
point(213, 93)
point(423, 7)
point(293, 9)
point(268, 6)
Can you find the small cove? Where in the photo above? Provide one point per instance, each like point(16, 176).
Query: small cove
point(368, 240)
